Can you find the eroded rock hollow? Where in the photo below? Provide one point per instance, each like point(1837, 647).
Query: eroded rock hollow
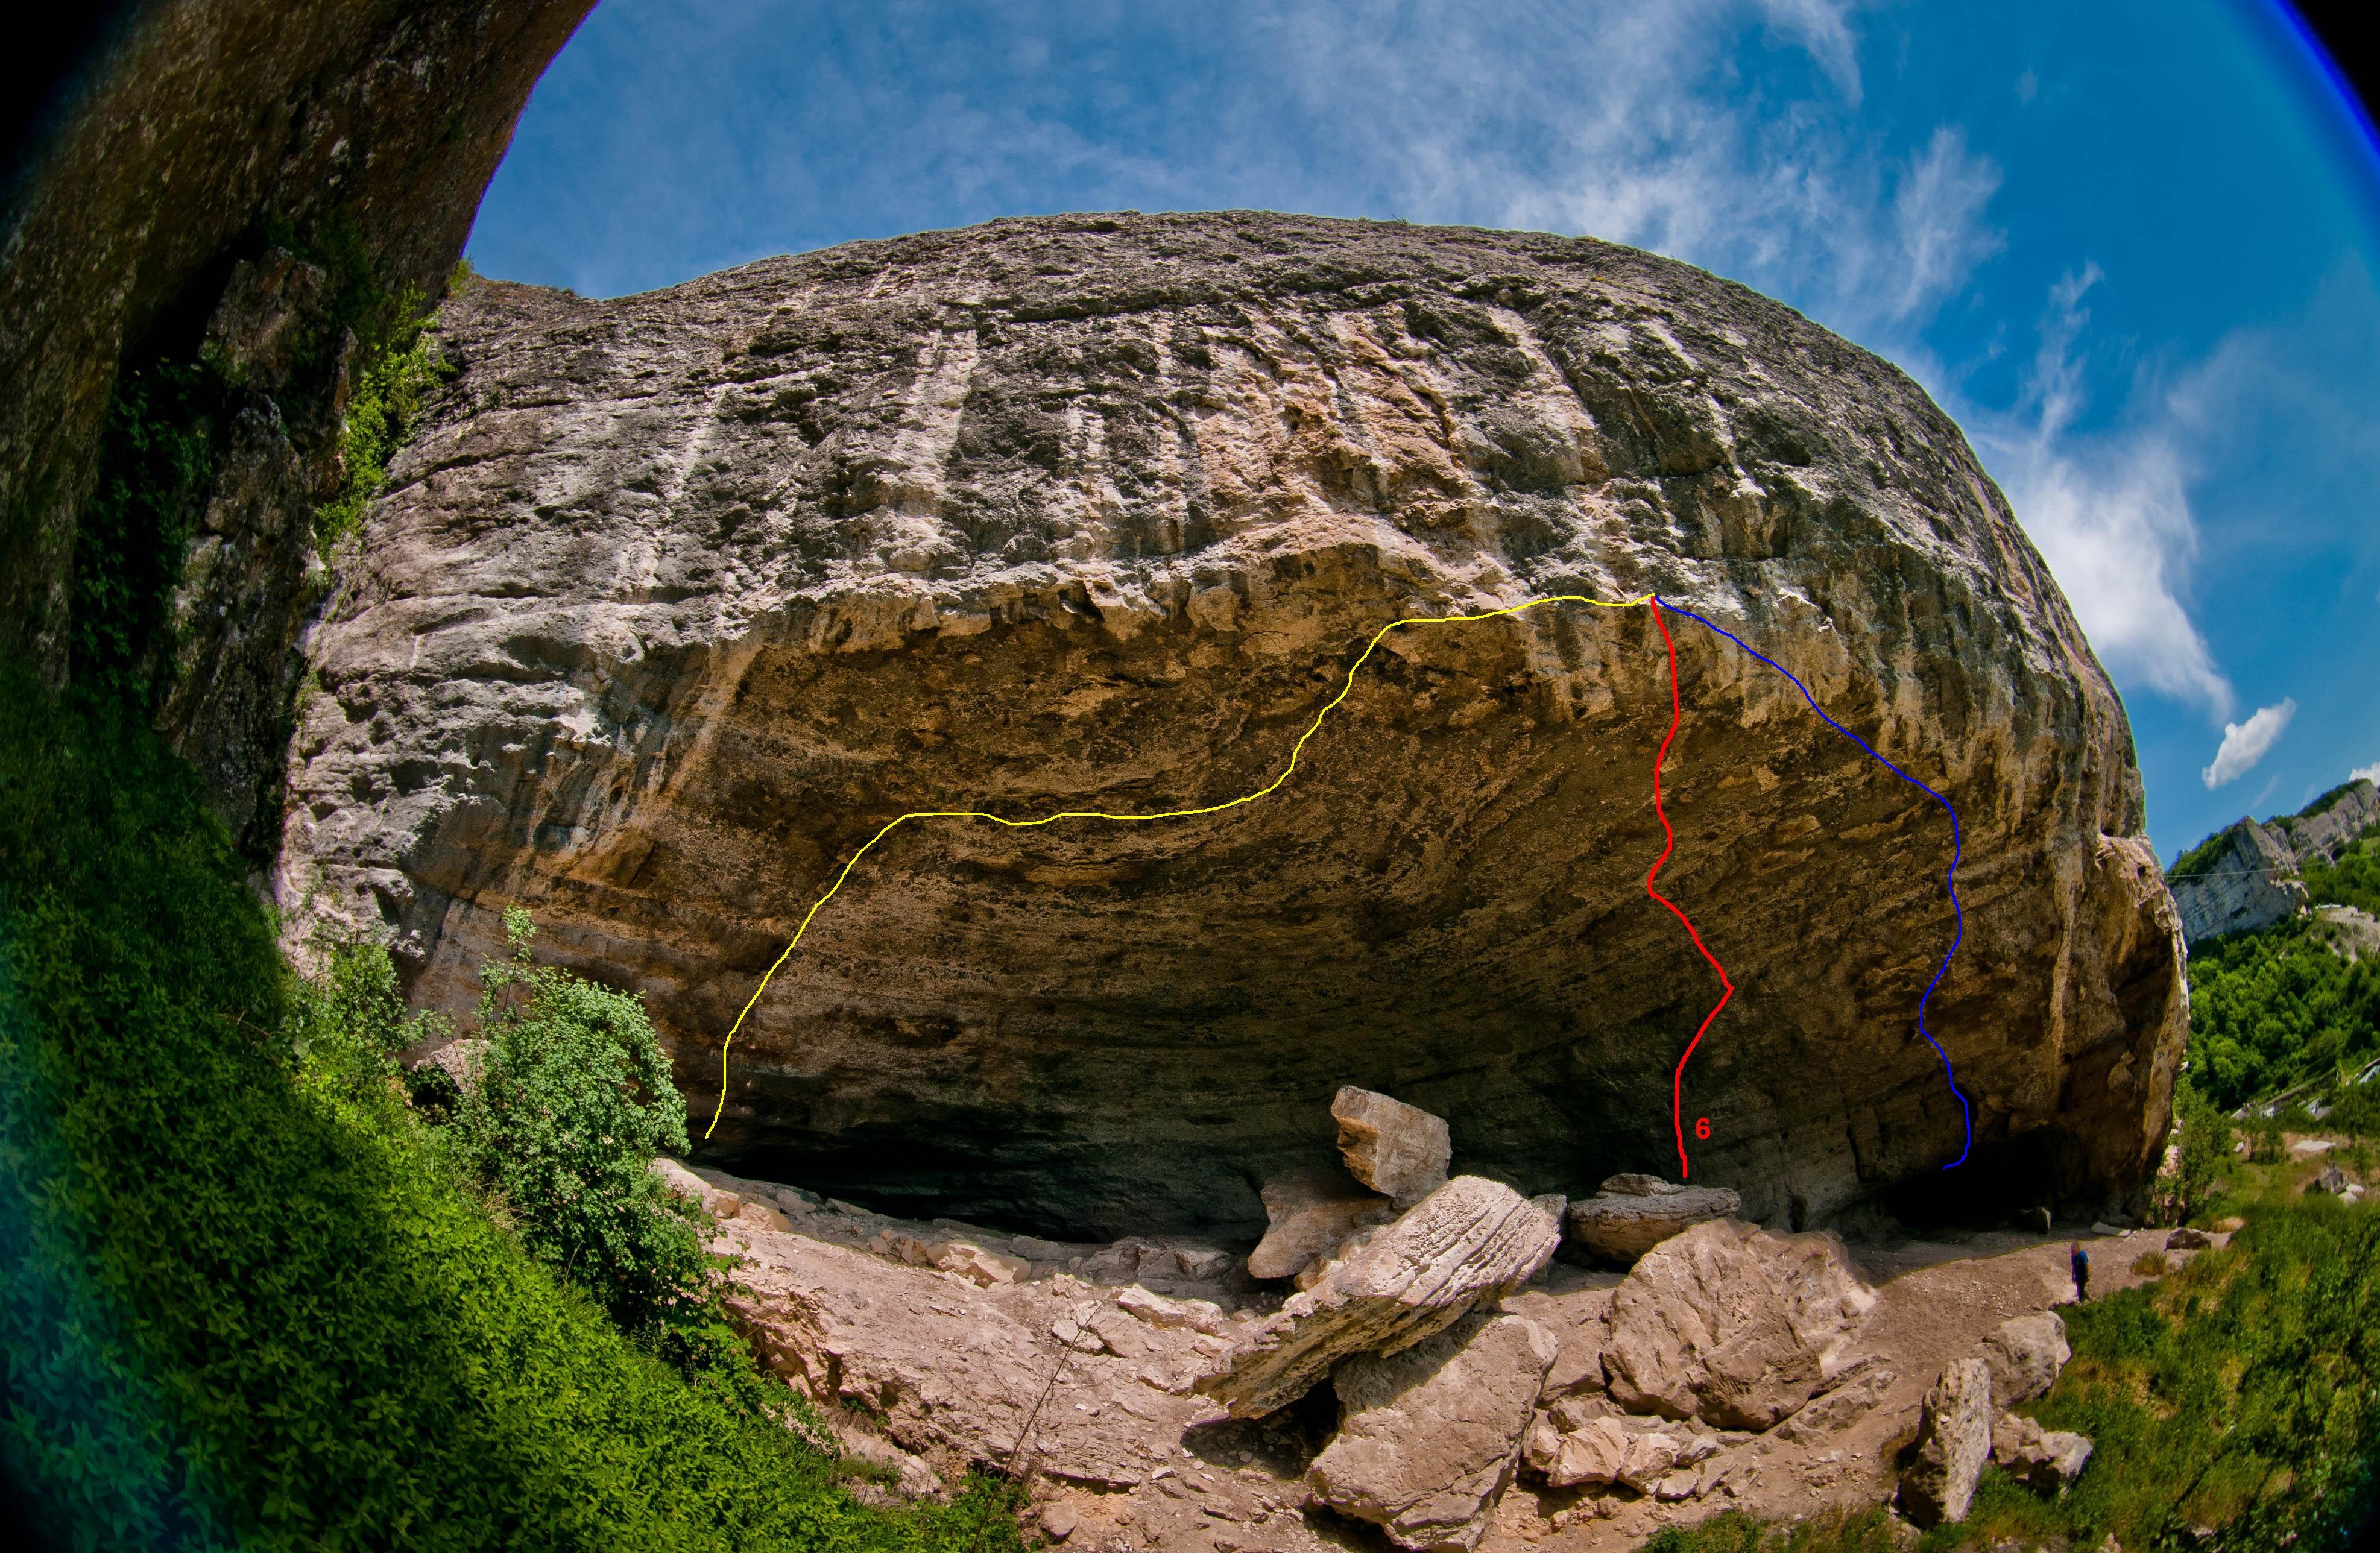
point(679, 597)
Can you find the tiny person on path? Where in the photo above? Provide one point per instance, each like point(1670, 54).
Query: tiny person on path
point(2082, 1261)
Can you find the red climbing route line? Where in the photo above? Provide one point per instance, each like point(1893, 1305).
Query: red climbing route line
point(1677, 1079)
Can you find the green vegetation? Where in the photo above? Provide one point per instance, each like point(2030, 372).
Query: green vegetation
point(244, 1300)
point(2204, 1166)
point(1866, 1530)
point(573, 1100)
point(2353, 880)
point(155, 462)
point(2199, 860)
point(2278, 1008)
point(396, 368)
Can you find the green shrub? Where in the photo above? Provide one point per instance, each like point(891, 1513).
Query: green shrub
point(569, 1102)
point(241, 1302)
point(2205, 1156)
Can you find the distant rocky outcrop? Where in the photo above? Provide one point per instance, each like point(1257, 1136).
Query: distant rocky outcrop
point(679, 597)
point(2247, 876)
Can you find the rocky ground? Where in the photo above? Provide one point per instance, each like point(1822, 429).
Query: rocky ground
point(1138, 1386)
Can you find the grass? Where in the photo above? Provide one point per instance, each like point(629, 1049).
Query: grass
point(239, 1311)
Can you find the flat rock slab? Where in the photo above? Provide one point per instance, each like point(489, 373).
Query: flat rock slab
point(1630, 1215)
point(955, 1375)
point(1427, 1436)
point(1391, 1146)
point(1470, 1242)
point(1732, 1324)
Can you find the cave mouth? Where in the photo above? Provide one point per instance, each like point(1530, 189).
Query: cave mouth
point(1094, 1032)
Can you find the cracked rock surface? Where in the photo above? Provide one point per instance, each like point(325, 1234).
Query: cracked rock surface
point(679, 597)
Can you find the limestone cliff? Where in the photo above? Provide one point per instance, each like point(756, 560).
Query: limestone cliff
point(681, 597)
point(2245, 876)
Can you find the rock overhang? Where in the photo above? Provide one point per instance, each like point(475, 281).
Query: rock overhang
point(997, 519)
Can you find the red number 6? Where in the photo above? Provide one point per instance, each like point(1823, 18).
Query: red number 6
point(1702, 1126)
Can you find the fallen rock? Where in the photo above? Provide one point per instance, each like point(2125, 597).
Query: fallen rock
point(1393, 1147)
point(1058, 1520)
point(1427, 1436)
point(1199, 1315)
point(1310, 1213)
point(1654, 1455)
point(1630, 1215)
point(2188, 1239)
point(1954, 1439)
point(2332, 1180)
point(1470, 1241)
point(2044, 1460)
point(1732, 1324)
point(1842, 1405)
point(1595, 1451)
point(2024, 1355)
point(974, 1264)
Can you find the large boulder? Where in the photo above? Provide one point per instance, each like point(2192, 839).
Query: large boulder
point(1630, 1214)
point(1732, 1324)
point(1468, 1244)
point(2024, 1354)
point(1309, 1213)
point(1427, 1436)
point(2047, 1460)
point(679, 598)
point(1391, 1146)
point(1954, 1440)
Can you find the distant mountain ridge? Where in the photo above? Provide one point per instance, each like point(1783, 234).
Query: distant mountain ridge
point(2249, 875)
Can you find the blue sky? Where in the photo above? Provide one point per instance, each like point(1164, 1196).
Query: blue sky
point(2133, 248)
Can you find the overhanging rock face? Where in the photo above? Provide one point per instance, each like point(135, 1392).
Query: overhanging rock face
point(680, 597)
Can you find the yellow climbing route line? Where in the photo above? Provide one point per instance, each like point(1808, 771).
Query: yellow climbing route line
point(1273, 786)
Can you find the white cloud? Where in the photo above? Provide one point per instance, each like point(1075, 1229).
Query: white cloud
point(2111, 512)
point(2365, 773)
point(2244, 743)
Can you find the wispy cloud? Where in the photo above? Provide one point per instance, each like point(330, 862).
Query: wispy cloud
point(2111, 514)
point(2244, 743)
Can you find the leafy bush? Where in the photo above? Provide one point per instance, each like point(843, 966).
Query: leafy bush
point(2272, 1007)
point(569, 1102)
point(239, 1308)
point(2204, 1165)
point(2353, 880)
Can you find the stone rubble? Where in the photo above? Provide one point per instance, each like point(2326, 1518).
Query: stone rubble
point(1309, 1213)
point(2024, 1355)
point(1954, 1440)
point(2046, 1461)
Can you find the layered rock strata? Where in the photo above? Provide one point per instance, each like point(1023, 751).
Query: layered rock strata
point(1630, 1214)
point(1465, 1245)
point(680, 597)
